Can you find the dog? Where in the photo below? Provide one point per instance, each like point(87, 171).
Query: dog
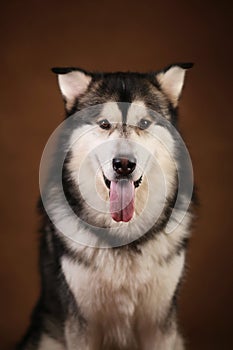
point(110, 270)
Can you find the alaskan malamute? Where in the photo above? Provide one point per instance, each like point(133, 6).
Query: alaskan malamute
point(116, 214)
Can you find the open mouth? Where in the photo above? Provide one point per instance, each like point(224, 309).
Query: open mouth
point(122, 197)
point(136, 183)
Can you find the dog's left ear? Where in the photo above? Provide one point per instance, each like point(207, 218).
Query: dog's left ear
point(73, 82)
point(171, 80)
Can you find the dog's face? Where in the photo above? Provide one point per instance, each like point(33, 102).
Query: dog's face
point(122, 149)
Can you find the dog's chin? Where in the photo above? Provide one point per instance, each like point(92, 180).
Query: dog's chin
point(122, 197)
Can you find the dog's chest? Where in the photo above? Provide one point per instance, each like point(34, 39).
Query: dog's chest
point(119, 293)
point(127, 284)
point(112, 282)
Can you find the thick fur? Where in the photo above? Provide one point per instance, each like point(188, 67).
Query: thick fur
point(122, 297)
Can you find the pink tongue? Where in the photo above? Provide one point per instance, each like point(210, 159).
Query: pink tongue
point(122, 200)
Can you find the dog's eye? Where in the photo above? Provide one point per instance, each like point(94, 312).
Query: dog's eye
point(104, 124)
point(144, 124)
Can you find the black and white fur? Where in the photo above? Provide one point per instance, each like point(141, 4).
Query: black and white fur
point(121, 297)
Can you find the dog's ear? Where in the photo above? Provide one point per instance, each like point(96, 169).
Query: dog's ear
point(73, 82)
point(171, 80)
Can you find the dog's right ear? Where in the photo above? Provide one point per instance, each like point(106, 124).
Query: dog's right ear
point(73, 82)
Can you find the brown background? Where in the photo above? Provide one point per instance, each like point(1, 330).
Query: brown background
point(122, 35)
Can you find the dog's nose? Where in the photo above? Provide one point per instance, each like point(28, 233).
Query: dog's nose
point(124, 166)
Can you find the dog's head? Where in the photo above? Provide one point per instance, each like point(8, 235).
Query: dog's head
point(122, 146)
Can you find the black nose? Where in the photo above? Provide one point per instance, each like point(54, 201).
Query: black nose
point(124, 166)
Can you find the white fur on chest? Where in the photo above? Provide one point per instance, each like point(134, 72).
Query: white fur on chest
point(122, 291)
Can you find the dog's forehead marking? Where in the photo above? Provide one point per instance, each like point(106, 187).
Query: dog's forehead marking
point(124, 107)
